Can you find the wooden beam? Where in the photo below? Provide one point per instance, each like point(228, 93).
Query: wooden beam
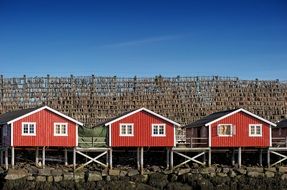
point(171, 159)
point(43, 156)
point(138, 158)
point(167, 158)
point(37, 156)
point(260, 157)
point(1, 157)
point(12, 157)
point(209, 157)
point(189, 159)
point(239, 157)
point(268, 157)
point(233, 157)
point(6, 159)
point(92, 159)
point(111, 159)
point(66, 156)
point(142, 159)
point(74, 157)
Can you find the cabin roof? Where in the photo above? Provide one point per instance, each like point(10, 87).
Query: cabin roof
point(282, 123)
point(209, 118)
point(8, 116)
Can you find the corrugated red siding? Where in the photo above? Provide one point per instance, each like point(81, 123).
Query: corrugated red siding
point(142, 132)
point(44, 131)
point(241, 138)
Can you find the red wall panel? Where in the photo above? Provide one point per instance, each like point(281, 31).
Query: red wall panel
point(241, 137)
point(45, 120)
point(142, 132)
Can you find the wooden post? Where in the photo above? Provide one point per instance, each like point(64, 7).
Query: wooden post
point(171, 159)
point(6, 159)
point(268, 158)
point(74, 158)
point(260, 157)
point(111, 158)
point(12, 157)
point(204, 158)
point(37, 156)
point(43, 156)
point(209, 157)
point(1, 157)
point(233, 157)
point(167, 158)
point(107, 158)
point(239, 157)
point(142, 160)
point(138, 158)
point(66, 156)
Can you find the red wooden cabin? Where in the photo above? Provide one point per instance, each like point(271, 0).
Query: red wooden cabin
point(231, 128)
point(141, 128)
point(38, 127)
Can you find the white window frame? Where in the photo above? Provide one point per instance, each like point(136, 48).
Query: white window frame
point(223, 135)
point(29, 134)
point(61, 124)
point(126, 124)
point(255, 135)
point(158, 135)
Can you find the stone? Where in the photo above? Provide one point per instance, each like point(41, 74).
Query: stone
point(133, 172)
point(94, 176)
point(255, 169)
point(255, 174)
point(58, 178)
point(222, 174)
point(40, 178)
point(30, 178)
point(114, 172)
point(13, 174)
point(282, 169)
point(284, 177)
point(208, 170)
point(155, 168)
point(32, 170)
point(273, 169)
point(123, 173)
point(183, 171)
point(44, 171)
point(232, 174)
point(241, 171)
point(50, 178)
point(56, 172)
point(68, 176)
point(225, 170)
point(158, 180)
point(79, 177)
point(269, 174)
point(105, 172)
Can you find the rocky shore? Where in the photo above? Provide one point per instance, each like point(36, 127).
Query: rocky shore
point(154, 177)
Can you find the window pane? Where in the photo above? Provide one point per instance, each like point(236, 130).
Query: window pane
point(123, 129)
point(155, 129)
point(25, 130)
point(58, 129)
point(252, 130)
point(227, 130)
point(161, 130)
point(129, 130)
point(63, 129)
point(258, 131)
point(32, 129)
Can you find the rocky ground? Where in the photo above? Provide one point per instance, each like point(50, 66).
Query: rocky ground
point(154, 177)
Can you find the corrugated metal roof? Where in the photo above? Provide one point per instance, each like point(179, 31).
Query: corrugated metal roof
point(209, 118)
point(6, 117)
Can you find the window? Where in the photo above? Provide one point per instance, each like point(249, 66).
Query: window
point(158, 129)
point(127, 129)
point(255, 130)
point(29, 129)
point(224, 130)
point(60, 129)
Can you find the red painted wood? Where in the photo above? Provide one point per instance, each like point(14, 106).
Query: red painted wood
point(45, 120)
point(142, 132)
point(241, 138)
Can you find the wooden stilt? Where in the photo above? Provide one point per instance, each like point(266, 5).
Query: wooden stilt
point(138, 158)
point(167, 158)
point(6, 159)
point(37, 156)
point(111, 159)
point(107, 159)
point(209, 157)
point(74, 158)
point(171, 159)
point(12, 157)
point(260, 157)
point(1, 157)
point(66, 156)
point(239, 157)
point(204, 158)
point(268, 158)
point(43, 157)
point(233, 157)
point(142, 160)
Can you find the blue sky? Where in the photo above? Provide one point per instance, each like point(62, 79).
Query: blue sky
point(244, 38)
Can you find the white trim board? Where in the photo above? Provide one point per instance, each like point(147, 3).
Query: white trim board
point(50, 109)
point(143, 109)
point(245, 111)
